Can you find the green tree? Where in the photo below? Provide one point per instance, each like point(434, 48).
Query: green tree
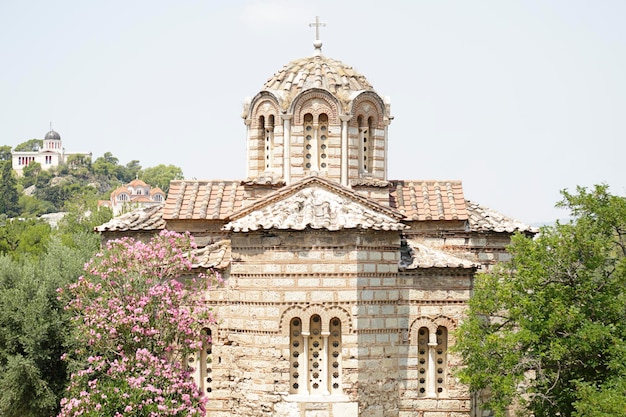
point(161, 175)
point(9, 197)
point(31, 145)
point(547, 331)
point(35, 329)
point(20, 238)
point(105, 165)
point(5, 153)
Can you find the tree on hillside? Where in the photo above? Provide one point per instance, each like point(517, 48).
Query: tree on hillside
point(31, 145)
point(161, 175)
point(5, 153)
point(547, 331)
point(9, 197)
point(137, 322)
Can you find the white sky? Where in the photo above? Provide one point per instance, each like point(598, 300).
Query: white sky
point(519, 99)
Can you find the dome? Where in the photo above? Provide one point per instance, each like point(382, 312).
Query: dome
point(52, 135)
point(316, 71)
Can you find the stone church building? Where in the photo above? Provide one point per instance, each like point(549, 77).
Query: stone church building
point(343, 287)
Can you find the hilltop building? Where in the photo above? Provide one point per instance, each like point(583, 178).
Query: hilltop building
point(51, 155)
point(135, 194)
point(343, 286)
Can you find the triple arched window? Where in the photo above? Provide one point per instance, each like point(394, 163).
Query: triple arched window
point(315, 356)
point(316, 142)
point(432, 360)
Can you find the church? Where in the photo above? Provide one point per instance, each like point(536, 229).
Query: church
point(343, 287)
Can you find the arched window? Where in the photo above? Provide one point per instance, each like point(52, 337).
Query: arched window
point(269, 141)
point(315, 357)
point(369, 149)
point(158, 197)
point(122, 197)
point(309, 142)
point(364, 144)
point(432, 362)
point(323, 141)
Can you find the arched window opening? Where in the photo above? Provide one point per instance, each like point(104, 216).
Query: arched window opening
point(317, 361)
point(441, 359)
point(323, 141)
point(334, 342)
point(369, 149)
point(158, 197)
point(309, 141)
point(422, 361)
point(296, 348)
point(364, 144)
point(269, 141)
point(201, 364)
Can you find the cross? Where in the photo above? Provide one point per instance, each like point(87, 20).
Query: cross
point(317, 25)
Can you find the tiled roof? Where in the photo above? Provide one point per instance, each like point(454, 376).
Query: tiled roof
point(429, 200)
point(484, 219)
point(141, 219)
point(215, 255)
point(268, 180)
point(369, 182)
point(316, 203)
point(415, 255)
point(203, 200)
point(316, 72)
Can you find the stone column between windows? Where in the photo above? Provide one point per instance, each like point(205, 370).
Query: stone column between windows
point(287, 148)
point(303, 373)
point(385, 162)
point(432, 365)
point(248, 122)
point(344, 149)
point(315, 166)
point(325, 369)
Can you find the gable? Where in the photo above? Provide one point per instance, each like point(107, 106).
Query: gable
point(317, 204)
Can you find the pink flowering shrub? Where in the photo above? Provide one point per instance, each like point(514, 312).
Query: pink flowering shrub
point(136, 321)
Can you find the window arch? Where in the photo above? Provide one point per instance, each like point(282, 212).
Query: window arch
point(315, 356)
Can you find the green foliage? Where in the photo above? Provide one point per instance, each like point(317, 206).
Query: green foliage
point(8, 190)
point(5, 153)
point(20, 238)
point(34, 329)
point(547, 330)
point(161, 175)
point(31, 145)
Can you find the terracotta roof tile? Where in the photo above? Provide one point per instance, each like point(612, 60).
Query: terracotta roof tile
point(215, 255)
point(484, 219)
point(141, 219)
point(415, 254)
point(203, 200)
point(428, 200)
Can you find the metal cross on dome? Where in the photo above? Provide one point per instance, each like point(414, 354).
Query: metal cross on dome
point(318, 43)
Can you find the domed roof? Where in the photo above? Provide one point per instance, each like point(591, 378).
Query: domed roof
point(52, 135)
point(316, 71)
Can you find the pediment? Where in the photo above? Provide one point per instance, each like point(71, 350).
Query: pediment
point(317, 204)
